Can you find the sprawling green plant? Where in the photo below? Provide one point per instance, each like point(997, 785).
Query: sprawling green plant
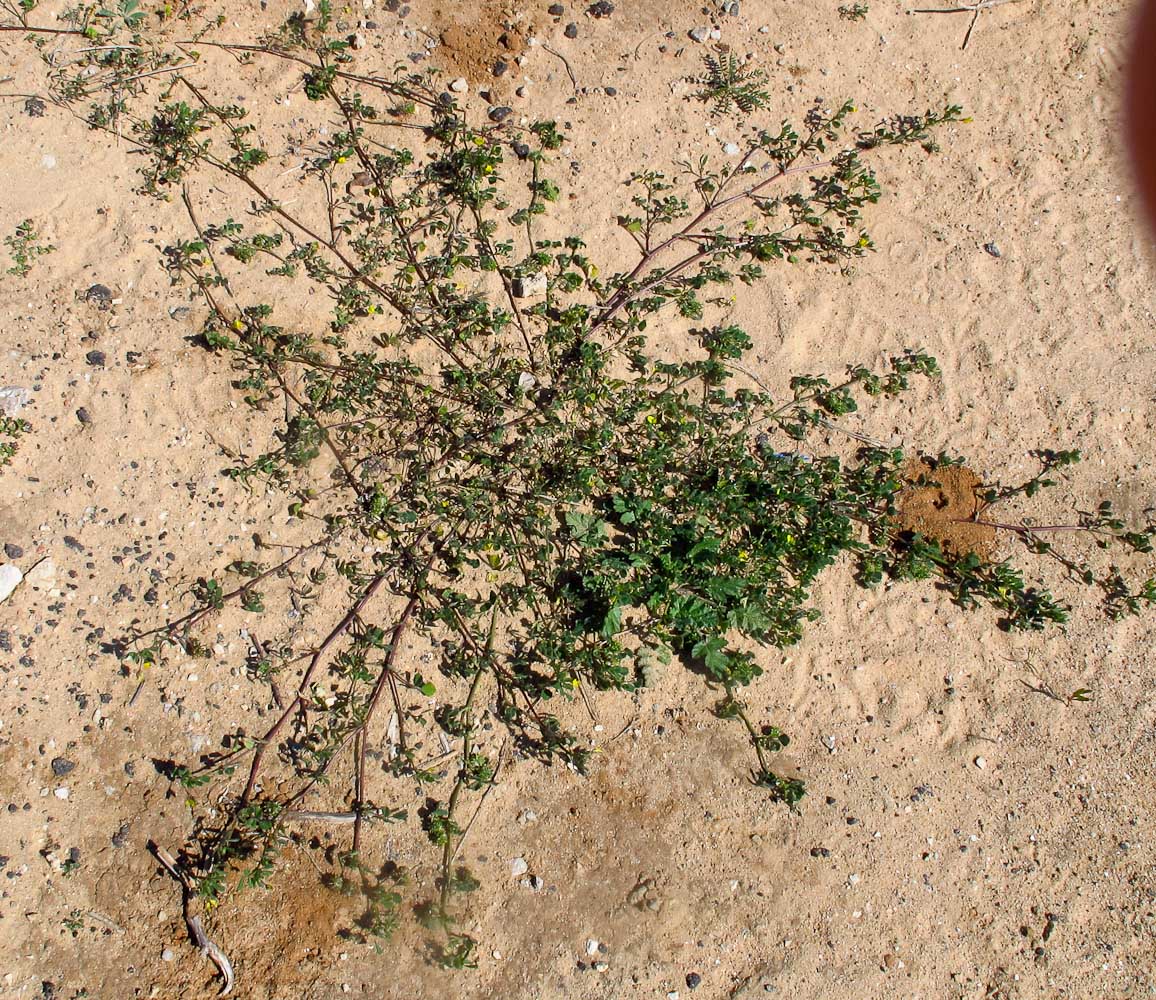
point(492, 452)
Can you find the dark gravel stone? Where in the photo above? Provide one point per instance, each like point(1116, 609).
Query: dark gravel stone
point(73, 543)
point(556, 9)
point(34, 107)
point(692, 980)
point(13, 551)
point(120, 838)
point(992, 249)
point(852, 821)
point(99, 295)
point(611, 91)
point(571, 30)
point(500, 67)
point(521, 150)
point(84, 416)
point(820, 852)
point(601, 9)
point(62, 766)
point(500, 114)
point(96, 358)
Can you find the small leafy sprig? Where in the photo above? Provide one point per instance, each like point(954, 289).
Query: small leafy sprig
point(729, 88)
point(24, 247)
point(11, 430)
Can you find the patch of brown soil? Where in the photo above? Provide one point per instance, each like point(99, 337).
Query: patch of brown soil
point(474, 46)
point(942, 507)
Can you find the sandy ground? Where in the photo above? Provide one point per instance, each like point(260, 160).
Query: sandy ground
point(912, 871)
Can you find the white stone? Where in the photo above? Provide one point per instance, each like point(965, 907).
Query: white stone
point(42, 576)
point(518, 867)
point(459, 86)
point(10, 577)
point(981, 762)
point(530, 286)
point(592, 947)
point(13, 398)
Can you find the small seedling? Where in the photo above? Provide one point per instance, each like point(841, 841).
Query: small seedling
point(24, 247)
point(11, 430)
point(728, 88)
point(854, 11)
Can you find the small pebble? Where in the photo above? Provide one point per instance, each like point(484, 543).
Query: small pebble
point(601, 967)
point(500, 114)
point(62, 766)
point(820, 852)
point(992, 249)
point(96, 358)
point(571, 30)
point(83, 415)
point(692, 980)
point(167, 955)
point(61, 792)
point(556, 10)
point(732, 149)
point(981, 762)
point(603, 8)
point(592, 946)
point(459, 86)
point(699, 35)
point(518, 867)
point(13, 551)
point(99, 295)
point(500, 67)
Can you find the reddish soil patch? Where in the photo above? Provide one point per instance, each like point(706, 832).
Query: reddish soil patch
point(483, 47)
point(941, 508)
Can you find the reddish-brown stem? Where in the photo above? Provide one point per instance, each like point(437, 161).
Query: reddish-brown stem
point(187, 621)
point(625, 293)
point(1026, 529)
point(383, 678)
point(338, 630)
